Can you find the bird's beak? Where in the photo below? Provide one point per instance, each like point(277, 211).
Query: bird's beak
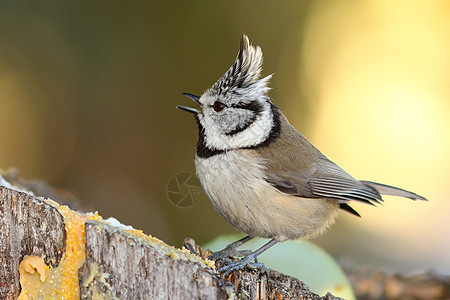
point(189, 109)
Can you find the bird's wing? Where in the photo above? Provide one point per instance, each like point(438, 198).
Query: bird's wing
point(295, 167)
point(331, 181)
point(323, 185)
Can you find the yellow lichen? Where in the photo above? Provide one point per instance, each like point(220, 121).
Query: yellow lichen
point(38, 281)
point(170, 251)
point(93, 271)
point(61, 282)
point(32, 271)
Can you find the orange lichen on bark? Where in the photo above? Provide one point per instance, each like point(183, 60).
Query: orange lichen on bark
point(32, 270)
point(39, 281)
point(61, 282)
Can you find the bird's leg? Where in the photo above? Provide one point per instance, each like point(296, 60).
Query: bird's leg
point(247, 261)
point(230, 250)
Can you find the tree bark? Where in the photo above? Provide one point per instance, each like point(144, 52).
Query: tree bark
point(28, 226)
point(122, 264)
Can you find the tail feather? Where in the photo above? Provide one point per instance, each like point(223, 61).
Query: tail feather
point(393, 191)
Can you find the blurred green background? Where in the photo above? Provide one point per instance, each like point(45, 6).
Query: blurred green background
point(88, 93)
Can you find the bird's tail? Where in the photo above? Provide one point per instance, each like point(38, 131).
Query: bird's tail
point(393, 191)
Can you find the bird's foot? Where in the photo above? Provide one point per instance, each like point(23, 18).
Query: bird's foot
point(245, 262)
point(228, 252)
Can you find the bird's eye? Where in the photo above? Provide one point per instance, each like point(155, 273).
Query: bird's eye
point(218, 106)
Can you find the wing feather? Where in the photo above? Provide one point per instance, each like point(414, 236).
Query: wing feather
point(349, 209)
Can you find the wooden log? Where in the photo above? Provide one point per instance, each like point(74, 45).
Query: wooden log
point(28, 226)
point(90, 259)
point(127, 265)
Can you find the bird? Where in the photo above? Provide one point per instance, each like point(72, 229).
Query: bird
point(261, 174)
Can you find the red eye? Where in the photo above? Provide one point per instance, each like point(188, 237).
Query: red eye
point(218, 106)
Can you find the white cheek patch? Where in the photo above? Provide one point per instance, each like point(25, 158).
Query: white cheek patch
point(253, 135)
point(236, 120)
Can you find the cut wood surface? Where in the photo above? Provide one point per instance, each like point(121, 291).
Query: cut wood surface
point(114, 263)
point(28, 226)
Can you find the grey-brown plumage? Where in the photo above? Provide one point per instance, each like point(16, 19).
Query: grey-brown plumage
point(263, 176)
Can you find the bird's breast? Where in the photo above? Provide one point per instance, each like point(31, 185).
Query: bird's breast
point(235, 183)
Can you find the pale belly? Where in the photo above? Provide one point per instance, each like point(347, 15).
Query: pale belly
point(236, 187)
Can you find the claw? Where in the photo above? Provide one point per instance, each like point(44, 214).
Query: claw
point(226, 260)
point(228, 253)
point(246, 262)
point(230, 250)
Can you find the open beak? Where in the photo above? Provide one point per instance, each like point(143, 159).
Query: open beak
point(189, 109)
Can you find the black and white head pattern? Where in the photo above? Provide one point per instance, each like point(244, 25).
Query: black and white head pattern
point(236, 111)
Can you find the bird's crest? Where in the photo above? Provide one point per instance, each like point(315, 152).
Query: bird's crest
point(242, 77)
